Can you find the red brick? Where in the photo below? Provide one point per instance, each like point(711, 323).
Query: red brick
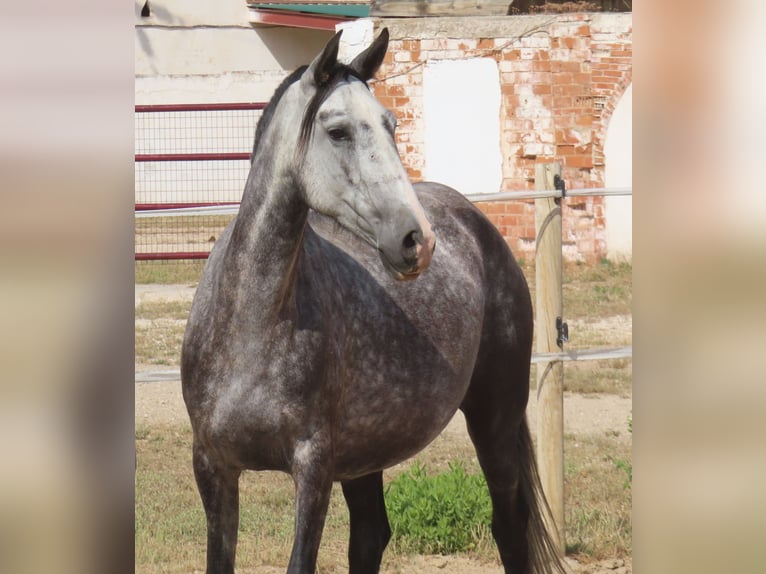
point(508, 90)
point(486, 44)
point(387, 102)
point(566, 66)
point(414, 174)
point(492, 208)
point(514, 208)
point(520, 65)
point(578, 161)
point(576, 90)
point(509, 220)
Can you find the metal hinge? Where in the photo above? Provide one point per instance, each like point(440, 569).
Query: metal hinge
point(558, 183)
point(562, 330)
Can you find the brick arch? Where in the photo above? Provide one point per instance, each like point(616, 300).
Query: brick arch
point(601, 127)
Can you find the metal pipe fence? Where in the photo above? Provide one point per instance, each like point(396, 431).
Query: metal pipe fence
point(189, 156)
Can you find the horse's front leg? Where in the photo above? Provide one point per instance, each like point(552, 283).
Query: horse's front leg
point(219, 489)
point(313, 476)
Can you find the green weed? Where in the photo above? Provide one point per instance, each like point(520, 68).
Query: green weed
point(441, 514)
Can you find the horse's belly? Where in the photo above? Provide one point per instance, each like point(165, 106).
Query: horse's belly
point(390, 418)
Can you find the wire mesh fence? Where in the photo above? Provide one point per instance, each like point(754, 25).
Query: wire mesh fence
point(189, 156)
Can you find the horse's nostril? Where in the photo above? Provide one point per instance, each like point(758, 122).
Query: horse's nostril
point(410, 240)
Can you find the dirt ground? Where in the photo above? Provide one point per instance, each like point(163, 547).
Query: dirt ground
point(584, 415)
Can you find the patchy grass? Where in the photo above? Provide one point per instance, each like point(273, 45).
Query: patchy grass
point(169, 272)
point(591, 291)
point(177, 310)
point(614, 376)
point(159, 332)
point(596, 291)
point(597, 498)
point(170, 522)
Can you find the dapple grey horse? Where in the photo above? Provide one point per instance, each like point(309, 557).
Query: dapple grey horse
point(342, 319)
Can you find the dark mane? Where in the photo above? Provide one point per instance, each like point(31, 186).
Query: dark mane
point(268, 111)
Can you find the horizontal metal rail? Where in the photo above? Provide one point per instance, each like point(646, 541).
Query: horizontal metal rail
point(231, 209)
point(228, 209)
point(584, 355)
point(172, 255)
point(586, 192)
point(163, 206)
point(576, 355)
point(223, 156)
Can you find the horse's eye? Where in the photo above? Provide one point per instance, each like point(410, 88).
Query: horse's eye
point(339, 134)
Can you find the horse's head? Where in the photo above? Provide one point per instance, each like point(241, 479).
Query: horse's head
point(348, 165)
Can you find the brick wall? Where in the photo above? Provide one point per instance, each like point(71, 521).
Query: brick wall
point(561, 77)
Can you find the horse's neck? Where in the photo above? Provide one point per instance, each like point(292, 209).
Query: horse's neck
point(263, 252)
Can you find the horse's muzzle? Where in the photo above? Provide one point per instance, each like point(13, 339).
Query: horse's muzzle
point(406, 258)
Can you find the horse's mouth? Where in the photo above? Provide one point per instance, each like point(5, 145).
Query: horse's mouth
point(398, 274)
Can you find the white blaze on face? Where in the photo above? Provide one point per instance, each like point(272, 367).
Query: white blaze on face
point(352, 172)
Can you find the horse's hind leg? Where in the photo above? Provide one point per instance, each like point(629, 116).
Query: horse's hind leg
point(370, 531)
point(219, 490)
point(495, 435)
point(495, 415)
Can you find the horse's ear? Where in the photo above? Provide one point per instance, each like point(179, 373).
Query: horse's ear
point(368, 62)
point(320, 70)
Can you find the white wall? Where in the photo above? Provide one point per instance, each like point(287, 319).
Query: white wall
point(461, 113)
point(195, 51)
point(618, 157)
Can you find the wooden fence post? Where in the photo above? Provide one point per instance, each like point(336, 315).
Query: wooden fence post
point(550, 375)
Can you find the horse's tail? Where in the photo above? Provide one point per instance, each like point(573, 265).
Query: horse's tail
point(543, 555)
